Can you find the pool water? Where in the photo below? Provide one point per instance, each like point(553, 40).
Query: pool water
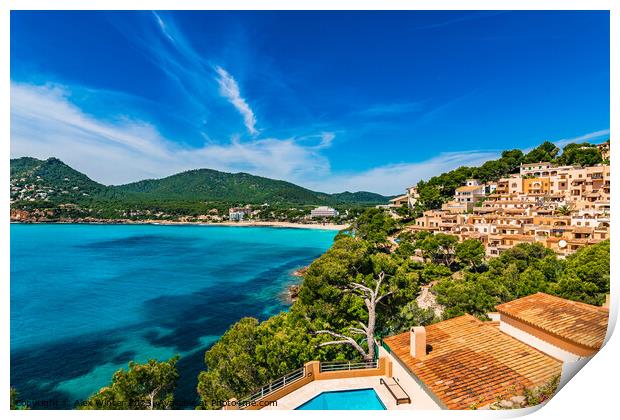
point(358, 399)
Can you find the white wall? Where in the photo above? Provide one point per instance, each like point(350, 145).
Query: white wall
point(420, 400)
point(571, 363)
point(536, 342)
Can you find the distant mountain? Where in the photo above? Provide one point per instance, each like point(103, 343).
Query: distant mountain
point(197, 185)
point(361, 197)
point(53, 171)
point(52, 180)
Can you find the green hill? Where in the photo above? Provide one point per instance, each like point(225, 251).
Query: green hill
point(200, 185)
point(54, 180)
point(211, 185)
point(53, 172)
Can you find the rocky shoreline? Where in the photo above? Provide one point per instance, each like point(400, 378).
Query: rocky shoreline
point(292, 291)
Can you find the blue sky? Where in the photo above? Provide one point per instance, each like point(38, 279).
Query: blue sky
point(332, 101)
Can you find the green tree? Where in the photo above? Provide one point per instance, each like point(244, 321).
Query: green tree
point(564, 210)
point(470, 253)
point(581, 154)
point(16, 404)
point(586, 276)
point(232, 371)
point(409, 315)
point(438, 248)
point(465, 296)
point(147, 386)
point(432, 272)
point(14, 397)
point(546, 152)
point(406, 248)
point(374, 226)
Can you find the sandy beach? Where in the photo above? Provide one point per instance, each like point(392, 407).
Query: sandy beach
point(326, 226)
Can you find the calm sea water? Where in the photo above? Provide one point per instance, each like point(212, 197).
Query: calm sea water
point(86, 299)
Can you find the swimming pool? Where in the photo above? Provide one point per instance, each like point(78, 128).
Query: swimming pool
point(357, 399)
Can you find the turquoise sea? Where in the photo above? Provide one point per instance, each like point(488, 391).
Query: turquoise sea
point(87, 299)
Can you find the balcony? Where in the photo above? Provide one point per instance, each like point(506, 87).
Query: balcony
point(311, 372)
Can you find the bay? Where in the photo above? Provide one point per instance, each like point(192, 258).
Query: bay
point(87, 299)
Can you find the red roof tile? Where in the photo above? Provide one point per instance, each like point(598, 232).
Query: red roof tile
point(474, 363)
point(576, 322)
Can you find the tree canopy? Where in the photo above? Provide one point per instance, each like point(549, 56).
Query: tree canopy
point(526, 269)
point(252, 353)
point(147, 386)
point(546, 152)
point(581, 154)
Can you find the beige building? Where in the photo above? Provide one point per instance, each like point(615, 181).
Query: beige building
point(400, 201)
point(539, 169)
point(605, 150)
point(466, 197)
point(412, 196)
point(564, 211)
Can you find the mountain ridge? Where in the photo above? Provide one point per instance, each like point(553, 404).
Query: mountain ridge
point(202, 184)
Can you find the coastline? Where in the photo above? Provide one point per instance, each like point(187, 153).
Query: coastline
point(291, 225)
point(288, 225)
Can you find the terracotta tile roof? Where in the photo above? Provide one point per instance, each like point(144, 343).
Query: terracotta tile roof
point(472, 362)
point(575, 322)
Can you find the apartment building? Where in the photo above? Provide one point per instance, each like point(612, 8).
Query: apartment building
point(399, 201)
point(527, 342)
point(562, 207)
point(237, 214)
point(537, 170)
point(324, 211)
point(466, 197)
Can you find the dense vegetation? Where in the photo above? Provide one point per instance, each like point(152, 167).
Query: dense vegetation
point(210, 185)
point(374, 254)
point(251, 353)
point(147, 386)
point(524, 270)
point(71, 194)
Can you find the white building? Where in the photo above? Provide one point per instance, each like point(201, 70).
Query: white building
point(324, 211)
point(236, 214)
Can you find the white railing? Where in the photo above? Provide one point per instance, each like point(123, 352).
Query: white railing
point(347, 365)
point(271, 387)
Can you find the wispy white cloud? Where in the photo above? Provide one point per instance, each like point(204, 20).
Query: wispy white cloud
point(382, 110)
point(326, 140)
point(194, 70)
point(206, 88)
point(393, 179)
point(322, 140)
point(163, 27)
point(44, 123)
point(230, 90)
point(583, 138)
